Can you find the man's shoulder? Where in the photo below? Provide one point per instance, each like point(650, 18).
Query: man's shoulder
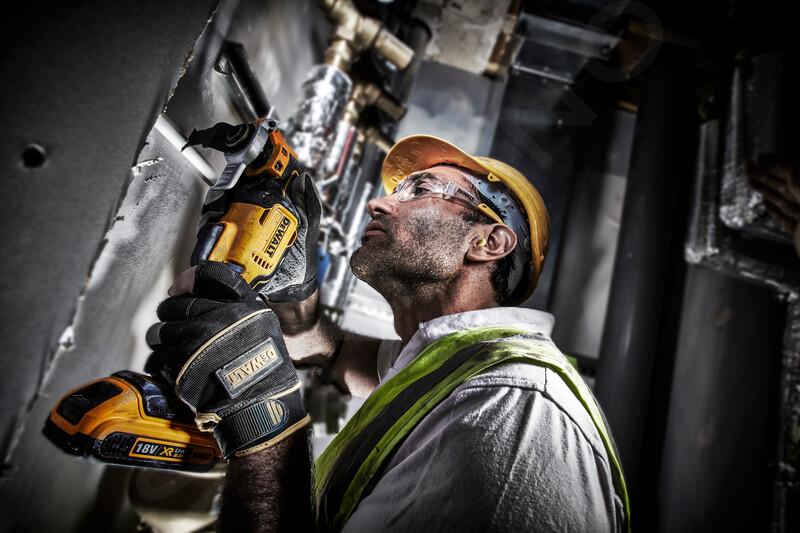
point(502, 390)
point(517, 382)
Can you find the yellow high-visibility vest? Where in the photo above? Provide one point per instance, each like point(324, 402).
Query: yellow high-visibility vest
point(350, 466)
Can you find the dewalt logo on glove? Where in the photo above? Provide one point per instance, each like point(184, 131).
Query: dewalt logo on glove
point(248, 367)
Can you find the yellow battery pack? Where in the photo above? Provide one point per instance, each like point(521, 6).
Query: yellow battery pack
point(127, 419)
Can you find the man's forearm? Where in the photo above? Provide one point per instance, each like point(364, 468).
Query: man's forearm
point(271, 490)
point(349, 360)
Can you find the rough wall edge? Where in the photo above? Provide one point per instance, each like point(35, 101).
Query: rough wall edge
point(21, 419)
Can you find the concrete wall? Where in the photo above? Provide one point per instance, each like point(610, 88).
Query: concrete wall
point(93, 236)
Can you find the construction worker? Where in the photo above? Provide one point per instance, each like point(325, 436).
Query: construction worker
point(474, 421)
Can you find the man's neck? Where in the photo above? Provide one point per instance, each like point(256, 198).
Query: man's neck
point(418, 304)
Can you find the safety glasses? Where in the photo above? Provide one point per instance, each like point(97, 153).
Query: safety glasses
point(427, 185)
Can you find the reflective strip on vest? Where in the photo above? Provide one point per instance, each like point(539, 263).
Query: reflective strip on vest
point(350, 466)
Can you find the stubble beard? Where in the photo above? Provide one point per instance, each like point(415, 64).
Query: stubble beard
point(423, 253)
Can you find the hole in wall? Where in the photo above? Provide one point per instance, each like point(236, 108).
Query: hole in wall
point(34, 156)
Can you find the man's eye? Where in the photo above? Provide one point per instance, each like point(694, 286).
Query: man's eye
point(423, 186)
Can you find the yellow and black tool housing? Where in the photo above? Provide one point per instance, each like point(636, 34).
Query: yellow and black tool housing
point(255, 239)
point(127, 419)
point(260, 223)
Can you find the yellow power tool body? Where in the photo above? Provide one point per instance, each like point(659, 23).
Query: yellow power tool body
point(248, 222)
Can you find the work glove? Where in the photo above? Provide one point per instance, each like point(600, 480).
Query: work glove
point(223, 351)
point(296, 278)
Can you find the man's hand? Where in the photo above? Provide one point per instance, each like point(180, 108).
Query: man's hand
point(212, 322)
point(296, 279)
point(778, 181)
point(312, 340)
point(222, 349)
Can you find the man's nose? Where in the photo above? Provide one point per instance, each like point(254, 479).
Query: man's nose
point(380, 206)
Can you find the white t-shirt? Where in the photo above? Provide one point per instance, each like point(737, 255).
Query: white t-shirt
point(511, 449)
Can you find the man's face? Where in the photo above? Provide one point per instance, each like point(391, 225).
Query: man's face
point(418, 242)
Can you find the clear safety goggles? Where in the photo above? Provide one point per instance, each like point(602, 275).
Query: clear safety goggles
point(427, 185)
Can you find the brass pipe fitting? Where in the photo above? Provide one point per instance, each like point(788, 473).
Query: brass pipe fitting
point(339, 54)
point(355, 33)
point(373, 95)
point(370, 134)
point(393, 49)
point(366, 94)
point(375, 136)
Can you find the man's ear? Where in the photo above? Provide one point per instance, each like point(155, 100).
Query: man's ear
point(490, 243)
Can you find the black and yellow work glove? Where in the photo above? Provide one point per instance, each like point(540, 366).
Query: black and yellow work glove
point(296, 278)
point(223, 351)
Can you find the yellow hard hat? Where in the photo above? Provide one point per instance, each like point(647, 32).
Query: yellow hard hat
point(418, 152)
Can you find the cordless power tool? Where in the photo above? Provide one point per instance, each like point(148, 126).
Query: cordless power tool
point(248, 223)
